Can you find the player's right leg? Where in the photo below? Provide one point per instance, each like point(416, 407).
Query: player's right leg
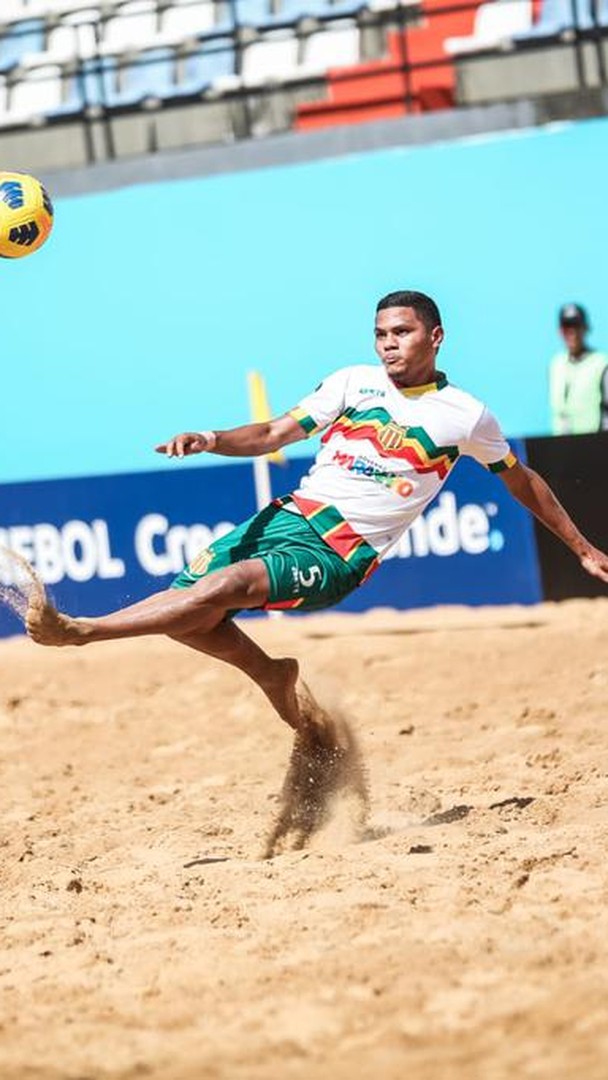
point(176, 612)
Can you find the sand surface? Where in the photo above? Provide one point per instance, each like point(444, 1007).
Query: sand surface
point(465, 937)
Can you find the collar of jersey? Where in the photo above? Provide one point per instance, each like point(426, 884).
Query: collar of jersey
point(426, 388)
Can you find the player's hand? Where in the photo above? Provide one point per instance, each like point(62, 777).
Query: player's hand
point(595, 562)
point(190, 442)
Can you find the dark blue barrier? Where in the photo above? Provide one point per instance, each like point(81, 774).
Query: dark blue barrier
point(102, 542)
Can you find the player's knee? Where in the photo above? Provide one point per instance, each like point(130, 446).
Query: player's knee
point(242, 585)
point(251, 581)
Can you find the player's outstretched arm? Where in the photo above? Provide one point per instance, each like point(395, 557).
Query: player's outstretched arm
point(535, 494)
point(249, 440)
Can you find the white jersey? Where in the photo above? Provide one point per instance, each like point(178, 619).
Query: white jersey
point(387, 452)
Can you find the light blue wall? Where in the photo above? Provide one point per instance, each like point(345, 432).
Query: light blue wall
point(148, 306)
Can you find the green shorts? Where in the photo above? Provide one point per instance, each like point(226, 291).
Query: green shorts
point(305, 573)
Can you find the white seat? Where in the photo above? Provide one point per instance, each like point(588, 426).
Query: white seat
point(72, 39)
point(37, 94)
point(11, 10)
point(62, 7)
point(273, 58)
point(392, 5)
point(495, 23)
point(135, 24)
point(184, 20)
point(331, 48)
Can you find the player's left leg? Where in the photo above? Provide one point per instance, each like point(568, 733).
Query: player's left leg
point(276, 677)
point(177, 612)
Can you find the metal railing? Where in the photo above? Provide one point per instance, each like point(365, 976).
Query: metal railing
point(90, 80)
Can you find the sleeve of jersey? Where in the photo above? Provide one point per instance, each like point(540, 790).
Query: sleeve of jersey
point(488, 445)
point(317, 410)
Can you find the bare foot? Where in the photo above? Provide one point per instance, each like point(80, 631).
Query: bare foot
point(280, 690)
point(296, 704)
point(47, 626)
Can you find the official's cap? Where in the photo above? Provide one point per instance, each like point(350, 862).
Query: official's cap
point(573, 315)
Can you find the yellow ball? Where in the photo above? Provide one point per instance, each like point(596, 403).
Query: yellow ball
point(26, 215)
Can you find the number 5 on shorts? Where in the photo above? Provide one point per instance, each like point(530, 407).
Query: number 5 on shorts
point(309, 579)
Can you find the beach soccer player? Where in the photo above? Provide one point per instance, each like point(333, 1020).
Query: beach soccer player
point(391, 434)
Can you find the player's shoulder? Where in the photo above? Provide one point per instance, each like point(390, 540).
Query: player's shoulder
point(463, 400)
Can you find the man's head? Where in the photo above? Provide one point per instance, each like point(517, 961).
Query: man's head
point(574, 327)
point(408, 334)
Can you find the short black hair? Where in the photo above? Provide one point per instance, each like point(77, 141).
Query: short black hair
point(422, 304)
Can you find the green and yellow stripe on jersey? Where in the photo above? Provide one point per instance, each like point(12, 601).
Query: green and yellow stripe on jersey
point(392, 440)
point(507, 463)
point(305, 421)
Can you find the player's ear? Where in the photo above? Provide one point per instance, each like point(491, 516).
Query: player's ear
point(437, 336)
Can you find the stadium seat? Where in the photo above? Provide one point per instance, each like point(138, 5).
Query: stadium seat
point(331, 48)
point(297, 9)
point(350, 7)
point(559, 15)
point(22, 38)
point(36, 94)
point(253, 13)
point(95, 83)
point(13, 9)
point(183, 20)
point(150, 75)
point(214, 60)
point(64, 7)
point(495, 23)
point(73, 38)
point(134, 24)
point(273, 58)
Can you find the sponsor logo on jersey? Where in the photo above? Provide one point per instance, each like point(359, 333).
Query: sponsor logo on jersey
point(364, 467)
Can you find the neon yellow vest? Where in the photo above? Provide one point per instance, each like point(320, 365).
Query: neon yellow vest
point(575, 393)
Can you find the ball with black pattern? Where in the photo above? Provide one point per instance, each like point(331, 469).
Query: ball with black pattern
point(26, 215)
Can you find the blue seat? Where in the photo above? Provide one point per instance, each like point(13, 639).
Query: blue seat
point(297, 9)
point(346, 7)
point(151, 74)
point(94, 84)
point(21, 38)
point(254, 13)
point(557, 16)
point(214, 59)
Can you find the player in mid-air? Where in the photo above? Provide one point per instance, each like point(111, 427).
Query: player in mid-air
point(391, 435)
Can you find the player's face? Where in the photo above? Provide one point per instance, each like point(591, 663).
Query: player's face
point(405, 345)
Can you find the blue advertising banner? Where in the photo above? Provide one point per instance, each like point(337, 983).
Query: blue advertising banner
point(103, 542)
